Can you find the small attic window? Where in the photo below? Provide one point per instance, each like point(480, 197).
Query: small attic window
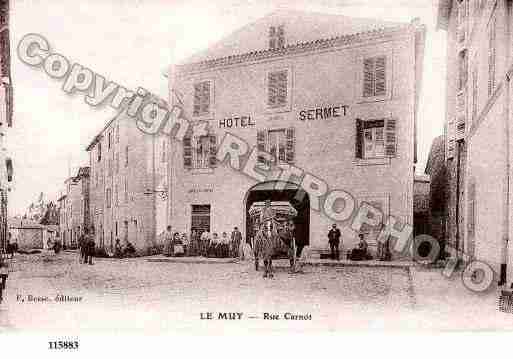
point(276, 37)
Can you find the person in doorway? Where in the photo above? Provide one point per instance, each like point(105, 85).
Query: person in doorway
point(237, 251)
point(168, 242)
point(334, 242)
point(84, 246)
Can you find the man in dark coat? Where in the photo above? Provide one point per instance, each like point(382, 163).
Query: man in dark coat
point(334, 241)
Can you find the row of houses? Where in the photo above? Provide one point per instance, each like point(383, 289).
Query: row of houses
point(334, 96)
point(476, 166)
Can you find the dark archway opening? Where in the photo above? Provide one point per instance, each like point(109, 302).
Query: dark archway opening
point(292, 193)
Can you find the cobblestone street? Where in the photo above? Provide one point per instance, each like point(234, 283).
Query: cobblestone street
point(138, 294)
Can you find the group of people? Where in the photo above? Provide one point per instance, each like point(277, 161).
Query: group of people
point(86, 247)
point(361, 252)
point(204, 244)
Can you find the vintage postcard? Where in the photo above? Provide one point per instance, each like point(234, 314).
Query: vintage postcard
point(298, 166)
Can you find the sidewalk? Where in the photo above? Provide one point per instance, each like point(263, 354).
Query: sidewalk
point(285, 262)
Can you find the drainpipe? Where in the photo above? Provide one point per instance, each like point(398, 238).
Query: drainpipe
point(505, 228)
point(458, 169)
point(505, 221)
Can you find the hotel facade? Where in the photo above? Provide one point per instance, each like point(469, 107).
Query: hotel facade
point(332, 95)
point(478, 130)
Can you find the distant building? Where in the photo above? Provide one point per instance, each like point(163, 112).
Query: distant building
point(74, 208)
point(332, 95)
point(479, 130)
point(437, 170)
point(421, 205)
point(6, 115)
point(28, 234)
point(127, 177)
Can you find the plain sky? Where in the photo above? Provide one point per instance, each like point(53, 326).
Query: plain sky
point(132, 43)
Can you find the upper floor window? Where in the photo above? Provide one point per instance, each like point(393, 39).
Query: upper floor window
point(117, 133)
point(276, 37)
point(375, 76)
point(126, 156)
point(200, 152)
point(202, 97)
point(462, 70)
point(279, 143)
point(109, 139)
point(99, 149)
point(108, 197)
point(163, 154)
point(277, 88)
point(492, 53)
point(375, 138)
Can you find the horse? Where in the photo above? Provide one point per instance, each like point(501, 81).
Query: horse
point(270, 240)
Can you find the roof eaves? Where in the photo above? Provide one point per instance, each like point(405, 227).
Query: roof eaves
point(300, 46)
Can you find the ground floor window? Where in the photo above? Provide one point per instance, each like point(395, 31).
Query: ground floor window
point(200, 217)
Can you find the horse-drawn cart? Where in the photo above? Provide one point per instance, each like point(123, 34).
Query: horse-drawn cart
point(272, 237)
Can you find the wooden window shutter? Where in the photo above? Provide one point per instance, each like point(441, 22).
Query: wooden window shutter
point(187, 152)
point(213, 151)
point(282, 88)
point(368, 77)
point(381, 86)
point(205, 97)
point(391, 137)
point(197, 100)
point(491, 55)
point(291, 145)
point(261, 139)
point(272, 89)
point(359, 139)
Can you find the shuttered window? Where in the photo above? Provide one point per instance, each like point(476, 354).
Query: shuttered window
point(279, 143)
point(200, 152)
point(376, 138)
point(108, 195)
point(201, 98)
point(491, 54)
point(187, 152)
point(463, 70)
point(474, 94)
point(390, 137)
point(213, 151)
point(277, 92)
point(374, 76)
point(276, 37)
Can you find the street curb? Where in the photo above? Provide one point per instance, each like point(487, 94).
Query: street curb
point(405, 265)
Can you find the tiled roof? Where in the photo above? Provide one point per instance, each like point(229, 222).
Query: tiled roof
point(303, 32)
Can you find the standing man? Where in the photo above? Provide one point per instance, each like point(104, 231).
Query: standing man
point(236, 244)
point(90, 245)
point(334, 241)
point(83, 246)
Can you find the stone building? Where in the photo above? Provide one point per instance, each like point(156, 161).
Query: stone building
point(478, 129)
point(439, 188)
point(127, 177)
point(74, 208)
point(6, 116)
point(333, 95)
